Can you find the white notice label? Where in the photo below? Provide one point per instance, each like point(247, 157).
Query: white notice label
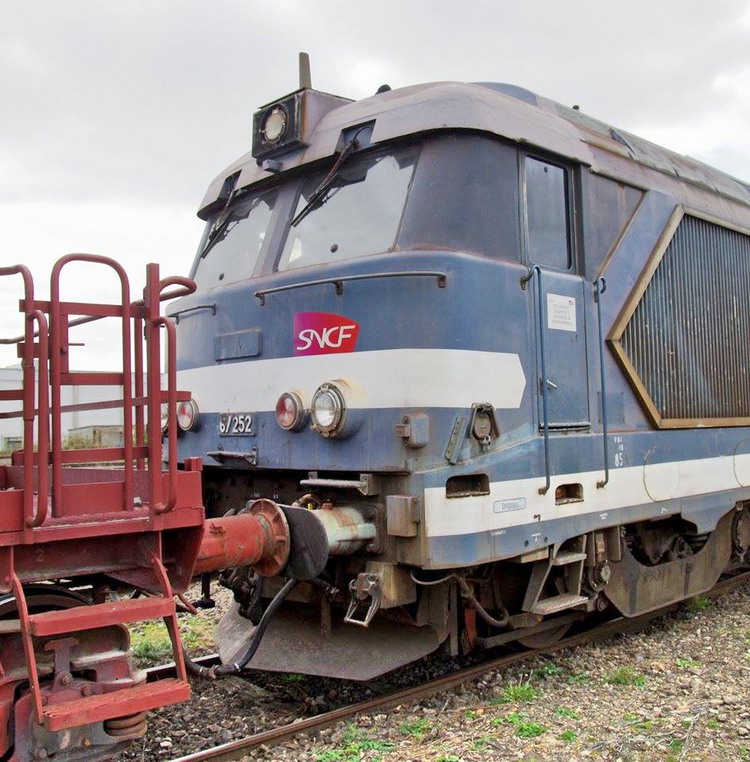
point(561, 312)
point(515, 504)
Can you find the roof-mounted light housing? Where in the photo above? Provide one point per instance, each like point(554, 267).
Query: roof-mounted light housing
point(277, 127)
point(288, 123)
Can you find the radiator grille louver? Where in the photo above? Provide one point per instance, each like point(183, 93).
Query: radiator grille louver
point(688, 339)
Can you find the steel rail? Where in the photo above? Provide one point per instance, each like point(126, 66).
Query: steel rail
point(235, 750)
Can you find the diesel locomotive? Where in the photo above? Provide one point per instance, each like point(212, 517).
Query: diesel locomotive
point(484, 355)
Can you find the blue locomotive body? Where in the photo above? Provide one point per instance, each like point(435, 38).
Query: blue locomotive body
point(508, 338)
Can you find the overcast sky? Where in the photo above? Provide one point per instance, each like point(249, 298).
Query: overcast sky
point(117, 115)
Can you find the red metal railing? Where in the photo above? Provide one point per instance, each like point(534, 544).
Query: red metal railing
point(41, 392)
point(60, 370)
point(32, 517)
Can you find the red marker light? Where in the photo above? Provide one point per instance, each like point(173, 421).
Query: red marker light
point(187, 415)
point(290, 412)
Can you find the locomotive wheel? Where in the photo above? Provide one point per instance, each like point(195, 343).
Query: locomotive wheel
point(635, 588)
point(545, 639)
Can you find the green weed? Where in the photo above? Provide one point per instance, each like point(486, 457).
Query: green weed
point(480, 744)
point(676, 744)
point(625, 676)
point(579, 678)
point(417, 728)
point(698, 603)
point(548, 670)
point(563, 711)
point(530, 730)
point(523, 728)
point(356, 743)
point(150, 640)
point(292, 677)
point(569, 736)
point(520, 693)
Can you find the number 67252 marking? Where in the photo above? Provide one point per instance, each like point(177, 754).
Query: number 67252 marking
point(236, 425)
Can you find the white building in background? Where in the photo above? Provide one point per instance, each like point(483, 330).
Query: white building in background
point(87, 422)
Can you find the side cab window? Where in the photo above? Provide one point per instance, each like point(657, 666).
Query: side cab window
point(547, 196)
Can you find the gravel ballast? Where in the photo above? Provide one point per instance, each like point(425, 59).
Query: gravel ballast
point(679, 690)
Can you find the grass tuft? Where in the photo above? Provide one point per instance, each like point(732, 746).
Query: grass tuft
point(579, 678)
point(698, 603)
point(417, 728)
point(480, 744)
point(625, 676)
point(550, 669)
point(356, 744)
point(520, 693)
point(523, 727)
point(150, 640)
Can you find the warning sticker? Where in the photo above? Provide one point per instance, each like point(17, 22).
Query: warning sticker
point(561, 312)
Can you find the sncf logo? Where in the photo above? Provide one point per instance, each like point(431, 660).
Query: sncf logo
point(320, 333)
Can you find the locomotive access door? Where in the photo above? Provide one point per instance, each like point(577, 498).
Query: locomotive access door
point(564, 345)
point(548, 188)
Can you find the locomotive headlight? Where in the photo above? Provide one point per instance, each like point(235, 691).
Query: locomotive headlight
point(337, 408)
point(290, 411)
point(187, 415)
point(274, 125)
point(328, 409)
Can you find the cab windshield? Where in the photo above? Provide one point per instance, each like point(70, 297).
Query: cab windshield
point(452, 192)
point(234, 240)
point(359, 214)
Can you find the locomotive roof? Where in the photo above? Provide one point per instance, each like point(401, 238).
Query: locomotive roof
point(501, 109)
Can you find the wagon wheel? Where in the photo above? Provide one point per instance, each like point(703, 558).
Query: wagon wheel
point(41, 598)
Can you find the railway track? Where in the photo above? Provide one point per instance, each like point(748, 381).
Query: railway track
point(237, 750)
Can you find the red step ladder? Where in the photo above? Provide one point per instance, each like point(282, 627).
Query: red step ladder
point(103, 706)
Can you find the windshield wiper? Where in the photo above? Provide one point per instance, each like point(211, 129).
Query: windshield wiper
point(219, 230)
point(320, 195)
point(215, 236)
